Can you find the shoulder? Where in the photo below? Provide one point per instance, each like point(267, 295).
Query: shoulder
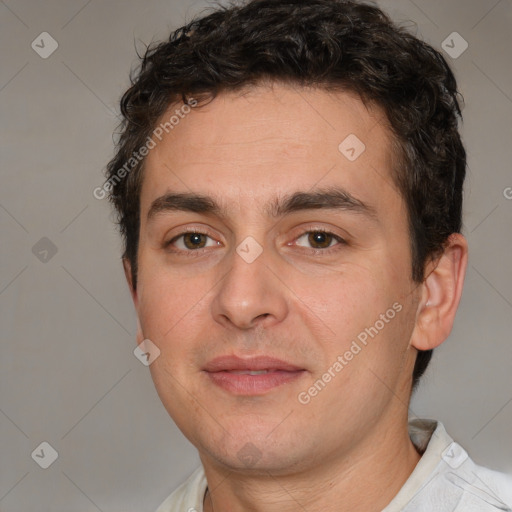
point(467, 485)
point(494, 483)
point(478, 485)
point(188, 497)
point(446, 479)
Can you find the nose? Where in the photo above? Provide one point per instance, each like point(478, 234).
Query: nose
point(250, 295)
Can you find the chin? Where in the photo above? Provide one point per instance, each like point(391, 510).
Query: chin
point(257, 450)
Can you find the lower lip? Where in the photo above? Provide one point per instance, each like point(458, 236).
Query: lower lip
point(245, 384)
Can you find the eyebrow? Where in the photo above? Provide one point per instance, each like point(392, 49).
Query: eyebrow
point(332, 198)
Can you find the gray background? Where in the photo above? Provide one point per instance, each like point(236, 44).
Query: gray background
point(68, 375)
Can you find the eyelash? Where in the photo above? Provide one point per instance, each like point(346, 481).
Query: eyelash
point(198, 252)
point(327, 250)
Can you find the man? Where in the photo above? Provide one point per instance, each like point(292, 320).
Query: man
point(289, 187)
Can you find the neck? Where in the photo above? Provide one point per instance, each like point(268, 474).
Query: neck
point(364, 480)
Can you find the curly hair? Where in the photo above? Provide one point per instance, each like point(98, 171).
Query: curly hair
point(331, 44)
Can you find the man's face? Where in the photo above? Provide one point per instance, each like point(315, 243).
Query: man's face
point(268, 276)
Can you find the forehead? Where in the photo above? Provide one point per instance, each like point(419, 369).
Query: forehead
point(244, 147)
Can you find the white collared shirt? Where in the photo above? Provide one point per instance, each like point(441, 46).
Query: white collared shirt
point(444, 480)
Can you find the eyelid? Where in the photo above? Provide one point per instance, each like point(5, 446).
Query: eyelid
point(189, 229)
point(318, 229)
point(313, 228)
point(303, 231)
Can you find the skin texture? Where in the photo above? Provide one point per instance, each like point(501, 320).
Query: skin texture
point(348, 448)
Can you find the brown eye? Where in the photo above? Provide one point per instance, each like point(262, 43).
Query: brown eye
point(319, 239)
point(194, 240)
point(190, 241)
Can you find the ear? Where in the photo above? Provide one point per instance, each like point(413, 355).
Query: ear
point(128, 274)
point(440, 295)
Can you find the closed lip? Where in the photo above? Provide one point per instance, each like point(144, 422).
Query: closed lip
point(256, 363)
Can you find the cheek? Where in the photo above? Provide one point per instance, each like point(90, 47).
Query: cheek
point(168, 303)
point(359, 310)
point(345, 301)
point(173, 316)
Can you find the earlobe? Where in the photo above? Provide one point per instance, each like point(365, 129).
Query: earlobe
point(441, 293)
